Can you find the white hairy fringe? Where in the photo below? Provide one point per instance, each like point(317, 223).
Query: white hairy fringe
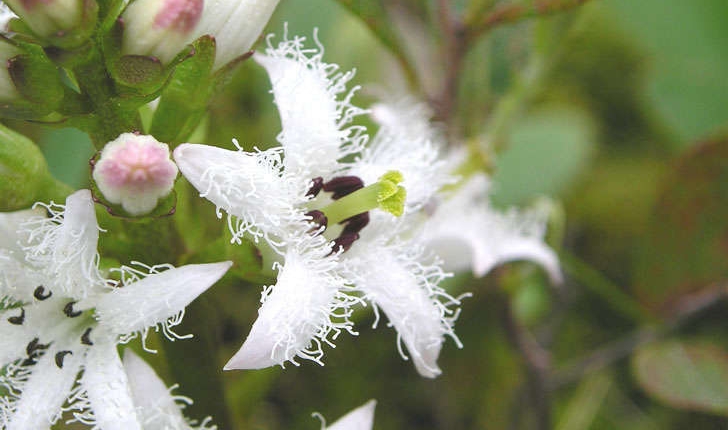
point(279, 209)
point(353, 138)
point(334, 317)
point(128, 276)
point(83, 413)
point(41, 250)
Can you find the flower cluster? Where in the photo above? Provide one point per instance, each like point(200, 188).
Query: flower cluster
point(62, 317)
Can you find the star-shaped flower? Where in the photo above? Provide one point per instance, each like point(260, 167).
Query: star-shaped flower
point(321, 201)
point(61, 317)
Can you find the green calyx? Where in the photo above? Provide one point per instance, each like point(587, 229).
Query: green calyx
point(386, 194)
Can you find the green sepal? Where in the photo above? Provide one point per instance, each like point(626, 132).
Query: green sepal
point(36, 77)
point(184, 100)
point(24, 175)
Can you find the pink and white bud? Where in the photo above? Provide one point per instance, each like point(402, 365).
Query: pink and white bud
point(48, 18)
point(235, 25)
point(135, 171)
point(160, 28)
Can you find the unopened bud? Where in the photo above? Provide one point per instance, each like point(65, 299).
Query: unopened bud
point(64, 23)
point(235, 25)
point(135, 171)
point(29, 83)
point(160, 28)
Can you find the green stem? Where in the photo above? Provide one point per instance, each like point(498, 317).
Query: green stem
point(598, 284)
point(111, 117)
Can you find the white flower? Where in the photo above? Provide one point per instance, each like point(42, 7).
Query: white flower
point(61, 318)
point(275, 195)
point(467, 232)
point(361, 418)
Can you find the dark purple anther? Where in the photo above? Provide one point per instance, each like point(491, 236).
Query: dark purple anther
point(60, 355)
point(316, 185)
point(343, 185)
point(18, 320)
point(318, 218)
point(40, 293)
point(344, 242)
point(355, 223)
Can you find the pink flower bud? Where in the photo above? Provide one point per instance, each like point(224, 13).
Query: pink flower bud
point(135, 171)
point(160, 28)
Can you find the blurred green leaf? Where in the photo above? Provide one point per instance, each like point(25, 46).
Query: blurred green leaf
point(374, 14)
point(684, 375)
point(588, 399)
point(67, 152)
point(547, 152)
point(685, 241)
point(687, 43)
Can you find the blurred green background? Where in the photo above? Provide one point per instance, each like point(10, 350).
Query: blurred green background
point(626, 127)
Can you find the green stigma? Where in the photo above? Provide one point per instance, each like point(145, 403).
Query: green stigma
point(385, 194)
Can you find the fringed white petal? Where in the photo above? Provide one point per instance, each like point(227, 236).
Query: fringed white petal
point(18, 279)
point(156, 406)
point(157, 299)
point(44, 392)
point(301, 312)
point(314, 106)
point(236, 25)
point(64, 246)
point(397, 279)
point(361, 418)
point(492, 237)
point(108, 391)
point(250, 186)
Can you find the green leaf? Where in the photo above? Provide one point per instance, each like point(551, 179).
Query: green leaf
point(691, 376)
point(547, 152)
point(686, 43)
point(183, 102)
point(684, 248)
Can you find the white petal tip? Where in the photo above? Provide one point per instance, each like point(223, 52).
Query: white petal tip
point(361, 418)
point(252, 355)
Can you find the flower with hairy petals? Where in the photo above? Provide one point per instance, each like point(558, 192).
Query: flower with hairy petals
point(361, 418)
point(61, 317)
point(135, 171)
point(273, 195)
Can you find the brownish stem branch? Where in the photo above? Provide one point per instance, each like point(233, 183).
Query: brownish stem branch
point(455, 47)
point(538, 364)
point(512, 13)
